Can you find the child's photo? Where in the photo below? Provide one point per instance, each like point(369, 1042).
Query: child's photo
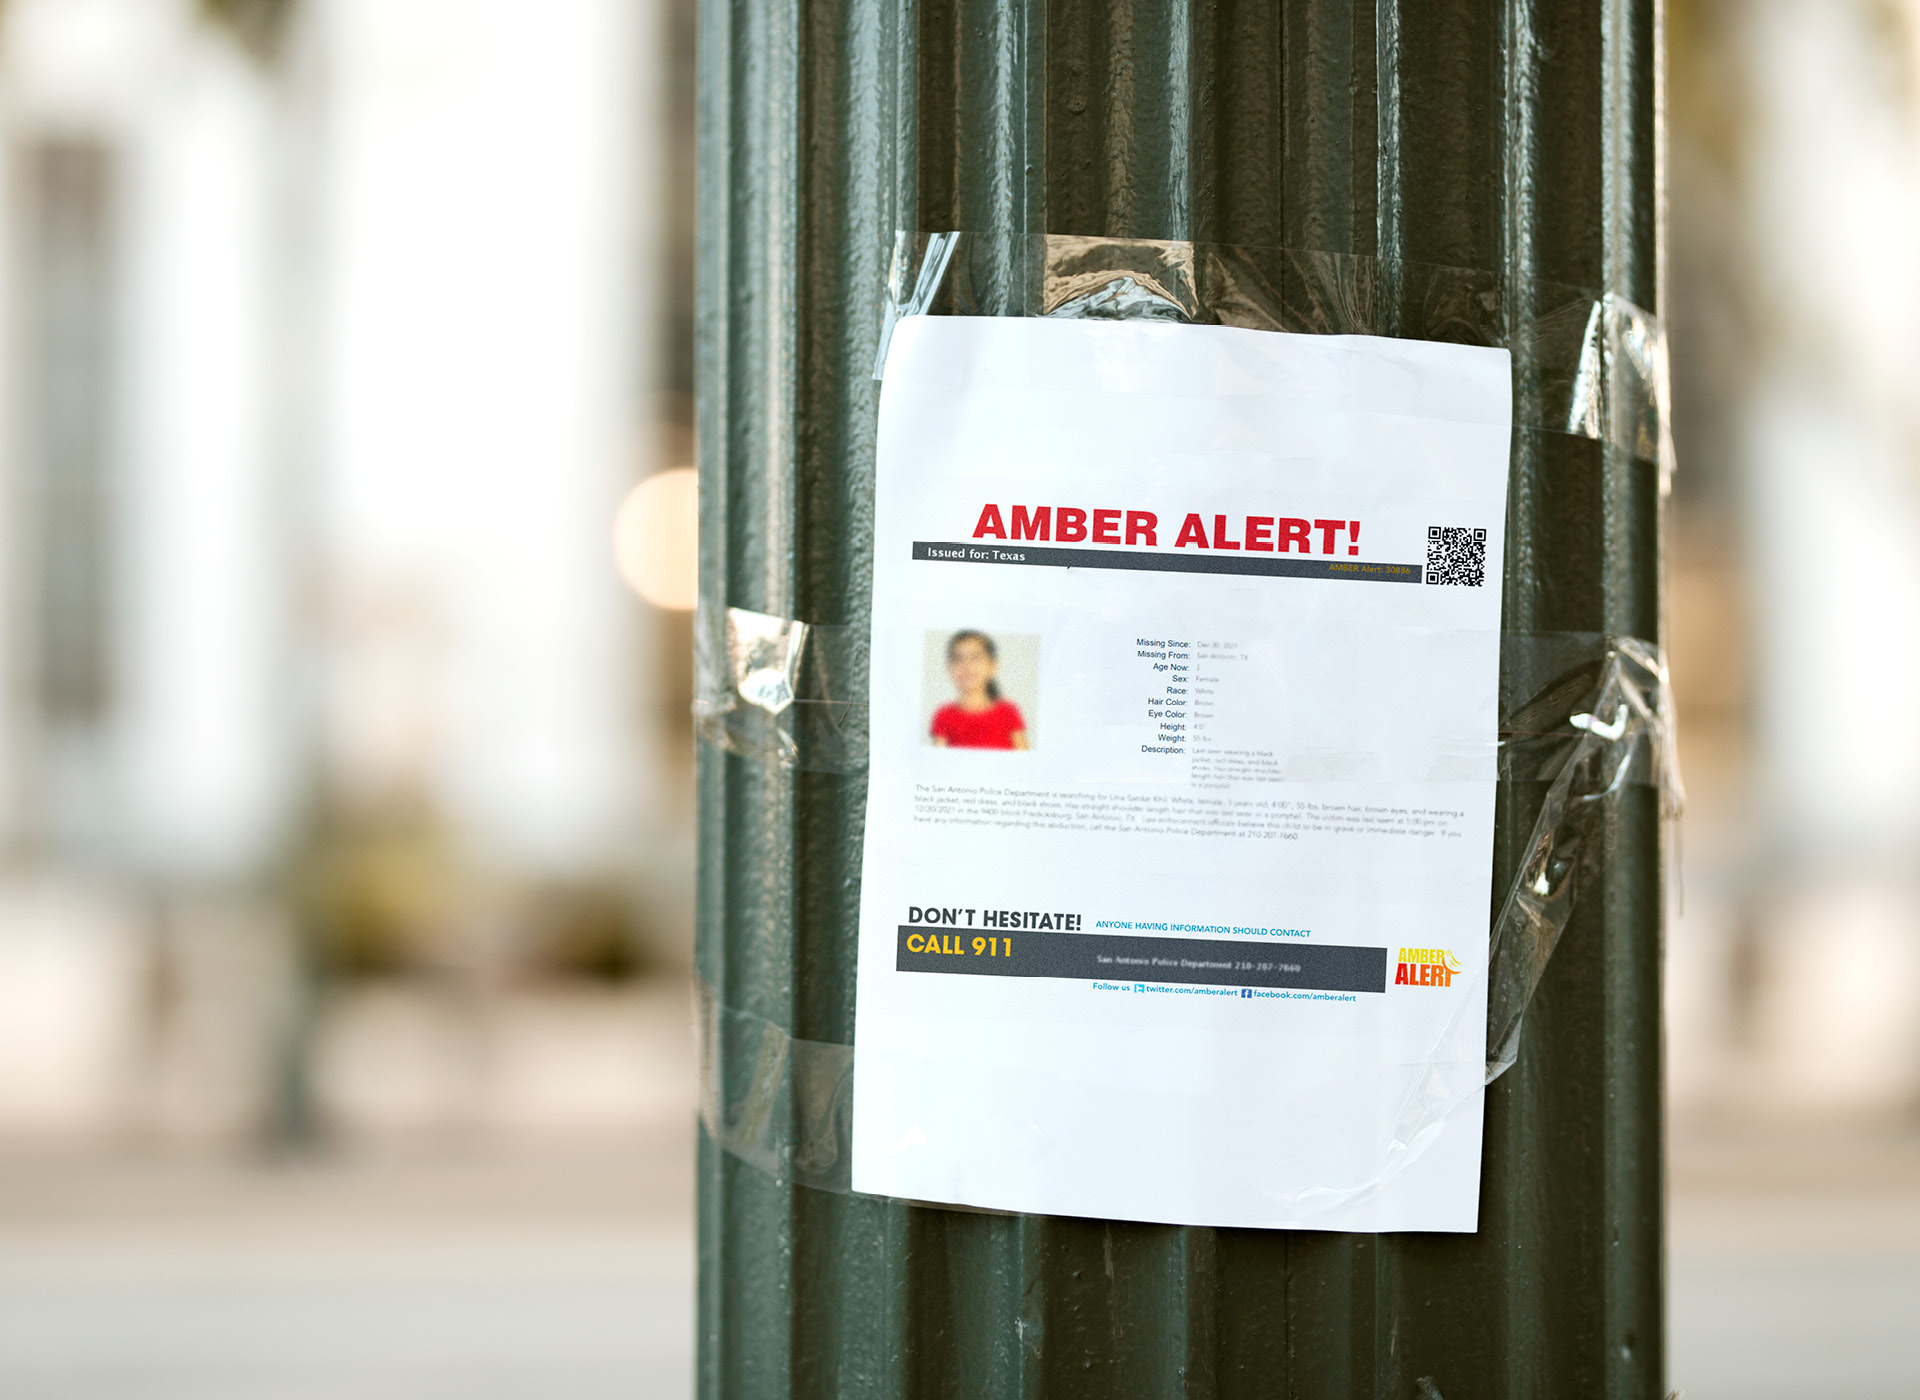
point(980, 689)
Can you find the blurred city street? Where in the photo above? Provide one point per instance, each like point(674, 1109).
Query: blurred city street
point(1795, 1266)
point(569, 1276)
point(503, 1269)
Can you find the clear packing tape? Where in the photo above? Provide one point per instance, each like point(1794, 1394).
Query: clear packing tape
point(1585, 718)
point(776, 1102)
point(1589, 716)
point(770, 687)
point(1587, 364)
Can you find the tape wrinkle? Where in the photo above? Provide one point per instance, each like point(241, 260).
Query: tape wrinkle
point(775, 1101)
point(779, 689)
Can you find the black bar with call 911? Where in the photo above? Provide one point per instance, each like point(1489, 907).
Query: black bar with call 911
point(1218, 962)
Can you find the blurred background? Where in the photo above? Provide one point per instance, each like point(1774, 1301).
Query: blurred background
point(345, 765)
point(346, 525)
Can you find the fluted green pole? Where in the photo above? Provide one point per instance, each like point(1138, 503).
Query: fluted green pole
point(1519, 138)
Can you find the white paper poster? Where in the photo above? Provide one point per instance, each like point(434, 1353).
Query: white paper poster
point(1179, 828)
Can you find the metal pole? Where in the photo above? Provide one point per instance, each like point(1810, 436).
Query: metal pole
point(1516, 137)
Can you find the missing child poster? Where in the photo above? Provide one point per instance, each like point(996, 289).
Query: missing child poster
point(1180, 814)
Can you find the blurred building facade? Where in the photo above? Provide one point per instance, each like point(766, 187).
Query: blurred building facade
point(336, 760)
point(1795, 175)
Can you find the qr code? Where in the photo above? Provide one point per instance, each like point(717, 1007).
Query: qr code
point(1456, 555)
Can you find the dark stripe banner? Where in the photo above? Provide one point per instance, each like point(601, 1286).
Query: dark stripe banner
point(1048, 556)
point(1319, 967)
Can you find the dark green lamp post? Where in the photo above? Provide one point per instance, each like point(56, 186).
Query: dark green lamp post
point(1515, 137)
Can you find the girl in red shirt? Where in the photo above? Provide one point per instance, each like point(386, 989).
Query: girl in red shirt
point(979, 719)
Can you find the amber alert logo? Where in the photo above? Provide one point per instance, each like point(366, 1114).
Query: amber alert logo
point(1427, 967)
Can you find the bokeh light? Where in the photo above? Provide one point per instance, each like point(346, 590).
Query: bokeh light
point(656, 539)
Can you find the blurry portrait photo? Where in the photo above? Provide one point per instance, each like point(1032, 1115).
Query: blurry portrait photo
point(980, 688)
